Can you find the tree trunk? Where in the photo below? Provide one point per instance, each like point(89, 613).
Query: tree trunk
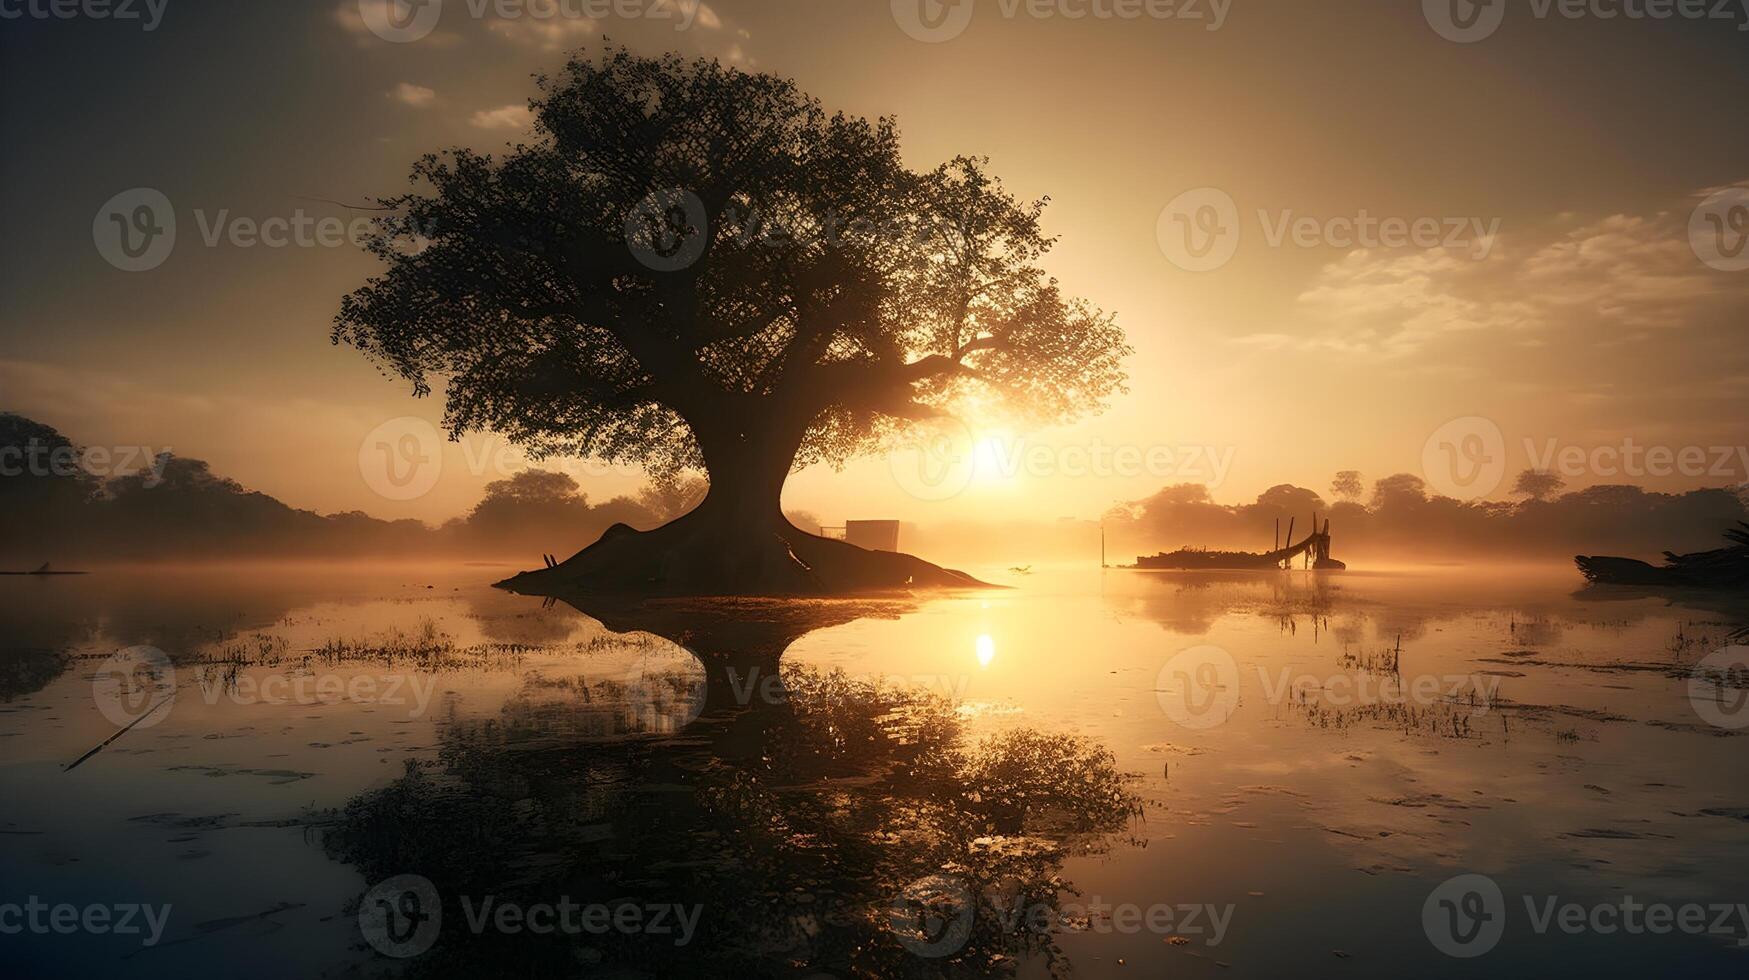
point(736, 542)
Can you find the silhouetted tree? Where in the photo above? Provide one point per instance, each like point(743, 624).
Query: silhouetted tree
point(671, 498)
point(45, 489)
point(1400, 490)
point(1538, 485)
point(696, 267)
point(1347, 485)
point(539, 508)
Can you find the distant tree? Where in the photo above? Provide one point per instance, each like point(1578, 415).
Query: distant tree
point(46, 492)
point(1538, 485)
point(532, 509)
point(37, 462)
point(1289, 499)
point(1347, 486)
point(1398, 491)
point(672, 498)
point(532, 488)
point(690, 267)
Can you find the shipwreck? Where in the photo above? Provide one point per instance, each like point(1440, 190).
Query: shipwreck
point(1722, 568)
point(1314, 548)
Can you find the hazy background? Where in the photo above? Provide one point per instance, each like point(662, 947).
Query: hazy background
point(1589, 142)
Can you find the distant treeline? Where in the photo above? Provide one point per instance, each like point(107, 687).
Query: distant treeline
point(1401, 519)
point(181, 509)
point(52, 509)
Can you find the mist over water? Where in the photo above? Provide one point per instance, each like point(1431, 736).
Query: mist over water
point(1300, 759)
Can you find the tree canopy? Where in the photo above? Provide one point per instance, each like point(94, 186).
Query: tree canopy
point(688, 263)
point(1538, 485)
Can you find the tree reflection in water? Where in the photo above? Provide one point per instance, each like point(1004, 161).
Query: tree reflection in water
point(823, 824)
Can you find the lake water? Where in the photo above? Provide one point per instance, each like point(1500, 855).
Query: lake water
point(385, 770)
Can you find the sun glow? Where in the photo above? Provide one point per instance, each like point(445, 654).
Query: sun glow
point(986, 649)
point(992, 459)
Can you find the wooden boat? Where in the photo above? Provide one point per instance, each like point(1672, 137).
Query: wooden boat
point(45, 570)
point(1723, 568)
point(1315, 548)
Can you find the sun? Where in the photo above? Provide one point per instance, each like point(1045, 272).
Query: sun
point(996, 460)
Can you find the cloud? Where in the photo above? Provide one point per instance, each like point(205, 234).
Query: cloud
point(417, 96)
point(546, 33)
point(1632, 273)
point(553, 25)
point(503, 117)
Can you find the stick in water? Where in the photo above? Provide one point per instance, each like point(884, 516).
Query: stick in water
point(99, 746)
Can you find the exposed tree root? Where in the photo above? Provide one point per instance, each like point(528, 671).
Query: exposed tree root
point(697, 555)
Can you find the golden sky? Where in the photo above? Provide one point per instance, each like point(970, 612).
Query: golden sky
point(1557, 176)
